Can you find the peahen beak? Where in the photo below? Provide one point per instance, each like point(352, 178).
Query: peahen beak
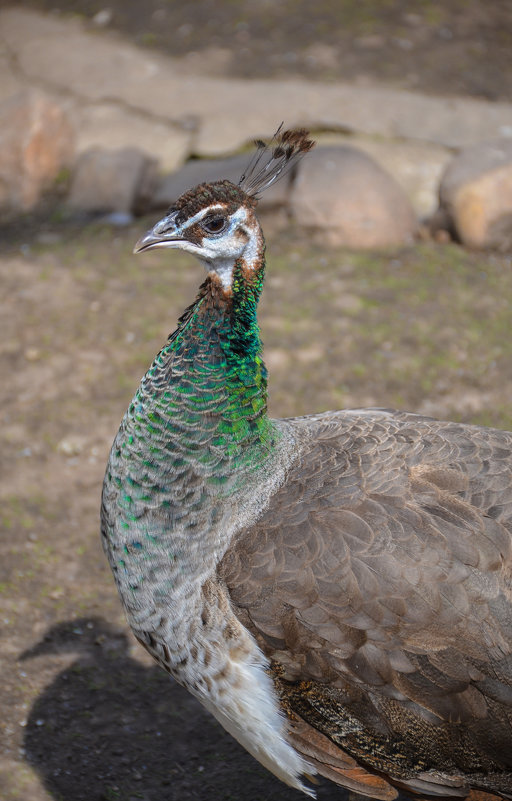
point(162, 235)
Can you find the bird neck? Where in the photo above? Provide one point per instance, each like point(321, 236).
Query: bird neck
point(210, 376)
point(243, 344)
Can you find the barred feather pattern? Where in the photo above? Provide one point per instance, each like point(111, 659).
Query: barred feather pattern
point(272, 162)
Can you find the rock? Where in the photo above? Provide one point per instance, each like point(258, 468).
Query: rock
point(36, 143)
point(343, 195)
point(476, 193)
point(416, 166)
point(103, 17)
point(204, 170)
point(234, 112)
point(111, 181)
point(109, 126)
point(72, 445)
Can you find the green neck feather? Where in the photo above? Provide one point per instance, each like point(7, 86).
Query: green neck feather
point(244, 345)
point(207, 389)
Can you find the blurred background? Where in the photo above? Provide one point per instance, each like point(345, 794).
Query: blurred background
point(438, 46)
point(389, 284)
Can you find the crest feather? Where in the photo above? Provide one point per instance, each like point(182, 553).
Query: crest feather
point(273, 161)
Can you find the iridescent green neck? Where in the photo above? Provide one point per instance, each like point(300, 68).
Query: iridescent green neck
point(244, 346)
point(209, 383)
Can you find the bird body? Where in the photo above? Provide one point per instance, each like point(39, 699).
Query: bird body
point(336, 589)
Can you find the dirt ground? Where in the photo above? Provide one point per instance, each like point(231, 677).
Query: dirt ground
point(446, 47)
point(84, 710)
point(86, 716)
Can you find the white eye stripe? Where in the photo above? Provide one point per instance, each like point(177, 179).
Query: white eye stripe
point(239, 216)
point(201, 215)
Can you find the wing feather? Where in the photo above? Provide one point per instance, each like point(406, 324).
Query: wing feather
point(381, 574)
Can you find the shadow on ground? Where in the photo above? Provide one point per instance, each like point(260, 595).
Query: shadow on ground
point(109, 727)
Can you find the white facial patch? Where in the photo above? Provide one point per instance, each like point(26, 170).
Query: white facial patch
point(222, 252)
point(242, 238)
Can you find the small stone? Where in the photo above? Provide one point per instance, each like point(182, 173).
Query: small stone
point(32, 354)
point(476, 194)
point(442, 236)
point(348, 200)
point(103, 17)
point(72, 445)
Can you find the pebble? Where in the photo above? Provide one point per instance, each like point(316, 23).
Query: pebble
point(32, 354)
point(103, 17)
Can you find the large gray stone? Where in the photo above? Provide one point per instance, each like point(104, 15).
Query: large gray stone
point(347, 199)
point(199, 171)
point(110, 180)
point(36, 143)
point(476, 193)
point(106, 125)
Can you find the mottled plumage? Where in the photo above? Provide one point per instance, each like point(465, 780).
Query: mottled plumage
point(336, 589)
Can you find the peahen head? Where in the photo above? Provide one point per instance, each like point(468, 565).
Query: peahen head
point(217, 221)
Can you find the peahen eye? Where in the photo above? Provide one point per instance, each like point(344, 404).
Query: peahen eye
point(214, 225)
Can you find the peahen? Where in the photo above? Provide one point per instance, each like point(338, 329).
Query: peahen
point(336, 589)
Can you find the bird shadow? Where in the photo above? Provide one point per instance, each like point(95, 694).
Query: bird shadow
point(109, 728)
